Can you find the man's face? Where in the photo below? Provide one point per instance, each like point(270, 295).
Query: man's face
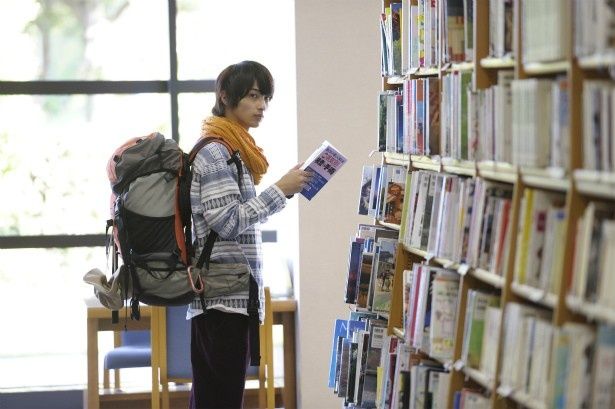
point(249, 112)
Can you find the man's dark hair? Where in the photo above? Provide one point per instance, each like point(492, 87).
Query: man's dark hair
point(237, 80)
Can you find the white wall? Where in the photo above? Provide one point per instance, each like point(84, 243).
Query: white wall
point(338, 78)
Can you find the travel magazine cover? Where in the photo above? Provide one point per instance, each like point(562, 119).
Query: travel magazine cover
point(323, 163)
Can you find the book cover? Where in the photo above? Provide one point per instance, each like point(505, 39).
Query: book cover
point(419, 209)
point(364, 279)
point(381, 192)
point(382, 121)
point(502, 239)
point(366, 187)
point(394, 201)
point(414, 33)
point(603, 387)
point(445, 289)
point(433, 122)
point(339, 330)
point(421, 107)
point(422, 321)
point(471, 187)
point(343, 330)
point(485, 238)
point(373, 193)
point(377, 333)
point(413, 305)
point(491, 338)
point(368, 395)
point(384, 275)
point(476, 327)
point(407, 278)
point(468, 32)
point(427, 214)
point(466, 83)
point(396, 38)
point(436, 220)
point(402, 366)
point(324, 163)
point(607, 261)
point(451, 214)
point(352, 369)
point(408, 197)
point(602, 212)
point(363, 345)
point(342, 375)
point(356, 249)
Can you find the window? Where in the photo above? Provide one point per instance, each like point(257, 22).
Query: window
point(77, 79)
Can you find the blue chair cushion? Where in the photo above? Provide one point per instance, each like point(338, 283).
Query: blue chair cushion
point(128, 357)
point(136, 338)
point(252, 372)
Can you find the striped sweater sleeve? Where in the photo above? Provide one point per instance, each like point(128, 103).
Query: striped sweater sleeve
point(223, 206)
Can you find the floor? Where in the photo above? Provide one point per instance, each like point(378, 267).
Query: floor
point(140, 399)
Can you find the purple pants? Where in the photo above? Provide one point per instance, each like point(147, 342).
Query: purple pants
point(220, 355)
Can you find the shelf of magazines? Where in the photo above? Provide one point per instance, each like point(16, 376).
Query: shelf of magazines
point(463, 269)
point(594, 183)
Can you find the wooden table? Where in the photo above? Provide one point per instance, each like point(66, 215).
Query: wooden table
point(99, 319)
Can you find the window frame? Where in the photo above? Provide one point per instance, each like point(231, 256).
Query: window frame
point(173, 87)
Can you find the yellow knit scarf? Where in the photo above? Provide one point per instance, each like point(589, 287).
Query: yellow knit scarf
point(239, 139)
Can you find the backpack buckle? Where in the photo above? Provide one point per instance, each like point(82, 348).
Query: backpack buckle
point(200, 287)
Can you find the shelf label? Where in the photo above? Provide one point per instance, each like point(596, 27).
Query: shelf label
point(536, 294)
point(505, 391)
point(448, 264)
point(463, 269)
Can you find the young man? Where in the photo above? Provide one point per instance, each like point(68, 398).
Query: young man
point(220, 347)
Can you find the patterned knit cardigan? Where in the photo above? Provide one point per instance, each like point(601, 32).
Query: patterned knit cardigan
point(218, 204)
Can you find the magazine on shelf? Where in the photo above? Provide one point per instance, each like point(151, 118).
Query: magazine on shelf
point(339, 331)
point(366, 187)
point(324, 164)
point(384, 271)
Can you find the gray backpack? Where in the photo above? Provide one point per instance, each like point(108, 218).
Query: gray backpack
point(152, 232)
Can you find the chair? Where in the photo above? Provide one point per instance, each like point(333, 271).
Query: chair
point(132, 349)
point(171, 357)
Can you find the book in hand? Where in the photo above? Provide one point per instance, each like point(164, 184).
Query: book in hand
point(323, 164)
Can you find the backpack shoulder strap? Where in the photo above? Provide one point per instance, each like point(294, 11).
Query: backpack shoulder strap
point(235, 159)
point(205, 141)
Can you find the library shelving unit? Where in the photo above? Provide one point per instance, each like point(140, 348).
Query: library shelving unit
point(540, 305)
